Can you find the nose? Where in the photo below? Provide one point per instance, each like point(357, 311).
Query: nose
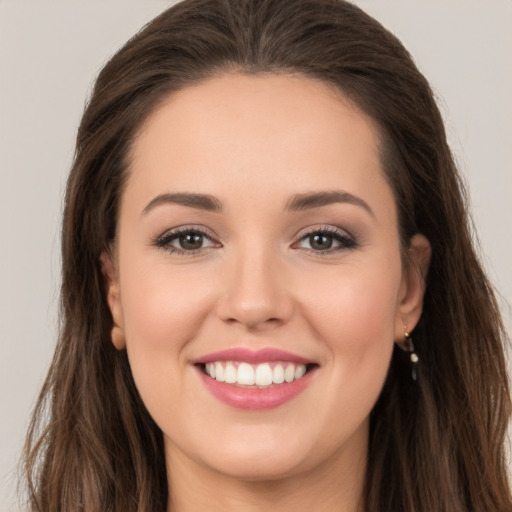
point(255, 292)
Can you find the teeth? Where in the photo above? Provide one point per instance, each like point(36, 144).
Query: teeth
point(278, 374)
point(230, 373)
point(289, 373)
point(300, 370)
point(263, 375)
point(245, 374)
point(219, 372)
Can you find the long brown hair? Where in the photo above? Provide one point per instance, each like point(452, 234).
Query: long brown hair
point(436, 445)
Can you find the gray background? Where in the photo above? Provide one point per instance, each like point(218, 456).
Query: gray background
point(50, 52)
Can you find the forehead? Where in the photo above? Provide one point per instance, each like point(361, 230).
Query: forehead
point(258, 134)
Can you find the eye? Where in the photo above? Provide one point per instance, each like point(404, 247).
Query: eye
point(327, 240)
point(185, 241)
point(320, 241)
point(190, 241)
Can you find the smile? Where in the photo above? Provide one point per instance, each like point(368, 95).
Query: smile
point(254, 380)
point(259, 375)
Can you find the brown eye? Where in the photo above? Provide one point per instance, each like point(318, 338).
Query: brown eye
point(190, 241)
point(320, 241)
point(185, 241)
point(327, 241)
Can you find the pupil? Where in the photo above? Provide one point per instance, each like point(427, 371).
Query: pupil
point(320, 242)
point(191, 241)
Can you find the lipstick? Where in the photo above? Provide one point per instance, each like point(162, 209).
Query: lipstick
point(253, 380)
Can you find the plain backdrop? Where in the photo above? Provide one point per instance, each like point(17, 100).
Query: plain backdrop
point(51, 51)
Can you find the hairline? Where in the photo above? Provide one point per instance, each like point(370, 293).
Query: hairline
point(385, 145)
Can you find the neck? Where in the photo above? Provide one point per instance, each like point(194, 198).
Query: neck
point(337, 484)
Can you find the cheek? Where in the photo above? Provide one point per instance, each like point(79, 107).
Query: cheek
point(356, 305)
point(352, 310)
point(162, 307)
point(162, 313)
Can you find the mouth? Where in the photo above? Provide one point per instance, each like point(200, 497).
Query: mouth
point(264, 379)
point(256, 376)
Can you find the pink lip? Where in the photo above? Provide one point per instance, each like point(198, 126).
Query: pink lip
point(251, 356)
point(255, 398)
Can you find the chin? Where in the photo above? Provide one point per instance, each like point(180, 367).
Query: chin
point(260, 470)
point(261, 459)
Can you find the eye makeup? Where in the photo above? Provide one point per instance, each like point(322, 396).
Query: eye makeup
point(325, 240)
point(186, 240)
point(192, 240)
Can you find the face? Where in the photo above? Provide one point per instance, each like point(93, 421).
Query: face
point(257, 282)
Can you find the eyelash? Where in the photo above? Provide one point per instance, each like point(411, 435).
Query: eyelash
point(164, 241)
point(345, 240)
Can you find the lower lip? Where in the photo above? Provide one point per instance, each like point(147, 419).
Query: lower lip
point(256, 398)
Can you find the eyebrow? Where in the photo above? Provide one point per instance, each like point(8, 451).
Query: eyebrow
point(298, 202)
point(301, 202)
point(199, 201)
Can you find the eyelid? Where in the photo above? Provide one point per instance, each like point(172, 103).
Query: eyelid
point(163, 241)
point(345, 239)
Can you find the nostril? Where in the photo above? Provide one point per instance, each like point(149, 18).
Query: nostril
point(254, 322)
point(255, 302)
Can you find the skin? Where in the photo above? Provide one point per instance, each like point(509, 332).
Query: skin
point(257, 282)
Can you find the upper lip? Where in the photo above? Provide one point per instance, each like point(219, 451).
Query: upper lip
point(252, 356)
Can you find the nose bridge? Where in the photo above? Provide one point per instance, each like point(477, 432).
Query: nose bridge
point(255, 293)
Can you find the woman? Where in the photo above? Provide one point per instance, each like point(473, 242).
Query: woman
point(270, 297)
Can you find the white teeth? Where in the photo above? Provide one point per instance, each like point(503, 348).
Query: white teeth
point(245, 374)
point(289, 373)
point(230, 373)
point(278, 374)
point(263, 375)
point(300, 370)
point(219, 372)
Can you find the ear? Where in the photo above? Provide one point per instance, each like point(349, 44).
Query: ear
point(412, 287)
point(113, 299)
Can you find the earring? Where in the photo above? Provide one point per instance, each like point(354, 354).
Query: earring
point(408, 346)
point(413, 356)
